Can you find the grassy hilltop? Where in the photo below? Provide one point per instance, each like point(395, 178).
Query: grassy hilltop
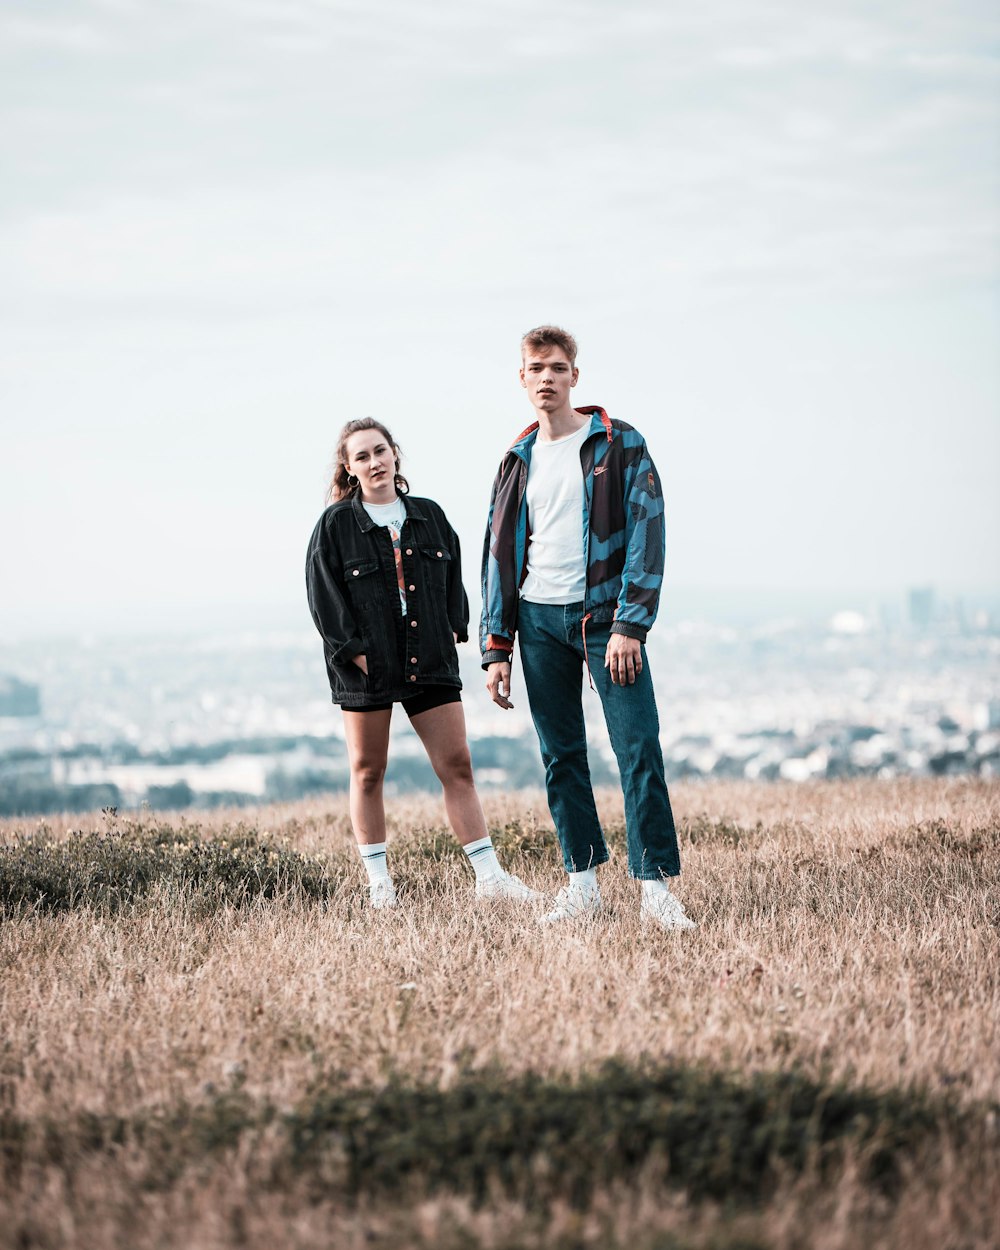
point(209, 1040)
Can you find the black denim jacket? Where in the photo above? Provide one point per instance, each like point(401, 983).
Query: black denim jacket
point(354, 600)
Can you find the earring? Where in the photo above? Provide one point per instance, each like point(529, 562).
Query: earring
point(351, 480)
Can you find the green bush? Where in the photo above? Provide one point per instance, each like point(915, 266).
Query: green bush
point(938, 835)
point(109, 869)
point(710, 1134)
point(715, 1135)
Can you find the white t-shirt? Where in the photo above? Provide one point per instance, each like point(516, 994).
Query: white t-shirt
point(556, 559)
point(392, 515)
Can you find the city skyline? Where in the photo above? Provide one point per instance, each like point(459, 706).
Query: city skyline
point(244, 718)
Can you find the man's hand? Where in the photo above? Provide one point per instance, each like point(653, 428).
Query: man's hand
point(498, 683)
point(624, 658)
point(362, 662)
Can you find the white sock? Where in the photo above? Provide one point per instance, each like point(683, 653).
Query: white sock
point(483, 858)
point(373, 858)
point(586, 880)
point(650, 889)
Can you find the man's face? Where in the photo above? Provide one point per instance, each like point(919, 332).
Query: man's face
point(548, 377)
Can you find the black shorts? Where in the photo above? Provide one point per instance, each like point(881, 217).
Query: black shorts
point(423, 701)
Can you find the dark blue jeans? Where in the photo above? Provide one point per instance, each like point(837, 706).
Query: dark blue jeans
point(552, 660)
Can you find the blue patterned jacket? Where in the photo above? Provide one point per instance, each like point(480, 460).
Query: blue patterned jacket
point(622, 534)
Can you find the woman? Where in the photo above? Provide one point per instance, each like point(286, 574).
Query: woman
point(384, 578)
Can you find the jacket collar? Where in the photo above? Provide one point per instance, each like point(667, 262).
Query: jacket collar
point(600, 423)
point(365, 523)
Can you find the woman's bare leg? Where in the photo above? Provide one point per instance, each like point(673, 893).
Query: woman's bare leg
point(442, 731)
point(367, 735)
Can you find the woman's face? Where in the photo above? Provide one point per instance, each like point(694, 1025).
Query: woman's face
point(370, 458)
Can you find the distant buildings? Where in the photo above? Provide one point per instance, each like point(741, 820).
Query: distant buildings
point(244, 718)
point(921, 601)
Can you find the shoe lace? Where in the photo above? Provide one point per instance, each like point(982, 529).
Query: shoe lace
point(575, 897)
point(670, 903)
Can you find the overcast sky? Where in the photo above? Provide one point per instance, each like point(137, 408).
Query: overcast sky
point(228, 226)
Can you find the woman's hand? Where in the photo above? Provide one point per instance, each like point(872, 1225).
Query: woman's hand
point(362, 662)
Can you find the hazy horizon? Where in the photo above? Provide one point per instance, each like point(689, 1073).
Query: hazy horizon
point(736, 607)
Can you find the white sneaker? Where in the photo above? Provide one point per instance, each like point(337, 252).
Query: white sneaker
point(506, 885)
point(382, 894)
point(666, 910)
point(573, 901)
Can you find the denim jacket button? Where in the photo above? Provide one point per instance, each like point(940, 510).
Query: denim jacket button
point(409, 551)
point(439, 555)
point(413, 676)
point(355, 572)
point(413, 660)
point(413, 624)
point(411, 588)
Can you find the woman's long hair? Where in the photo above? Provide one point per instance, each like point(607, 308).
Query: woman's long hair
point(340, 485)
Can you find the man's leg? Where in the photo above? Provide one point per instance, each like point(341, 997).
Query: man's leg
point(553, 675)
point(634, 729)
point(630, 713)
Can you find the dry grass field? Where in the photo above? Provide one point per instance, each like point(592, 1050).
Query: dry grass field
point(207, 1039)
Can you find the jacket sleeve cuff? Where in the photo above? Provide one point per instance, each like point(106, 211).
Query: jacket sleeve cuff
point(629, 630)
point(495, 656)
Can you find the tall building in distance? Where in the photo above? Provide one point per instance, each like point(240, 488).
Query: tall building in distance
point(18, 698)
point(921, 606)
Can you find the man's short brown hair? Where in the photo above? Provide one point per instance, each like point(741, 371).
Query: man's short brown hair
point(542, 337)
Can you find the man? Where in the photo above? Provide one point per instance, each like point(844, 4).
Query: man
point(572, 565)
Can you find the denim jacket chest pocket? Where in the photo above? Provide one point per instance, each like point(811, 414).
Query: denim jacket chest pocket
point(435, 562)
point(362, 581)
